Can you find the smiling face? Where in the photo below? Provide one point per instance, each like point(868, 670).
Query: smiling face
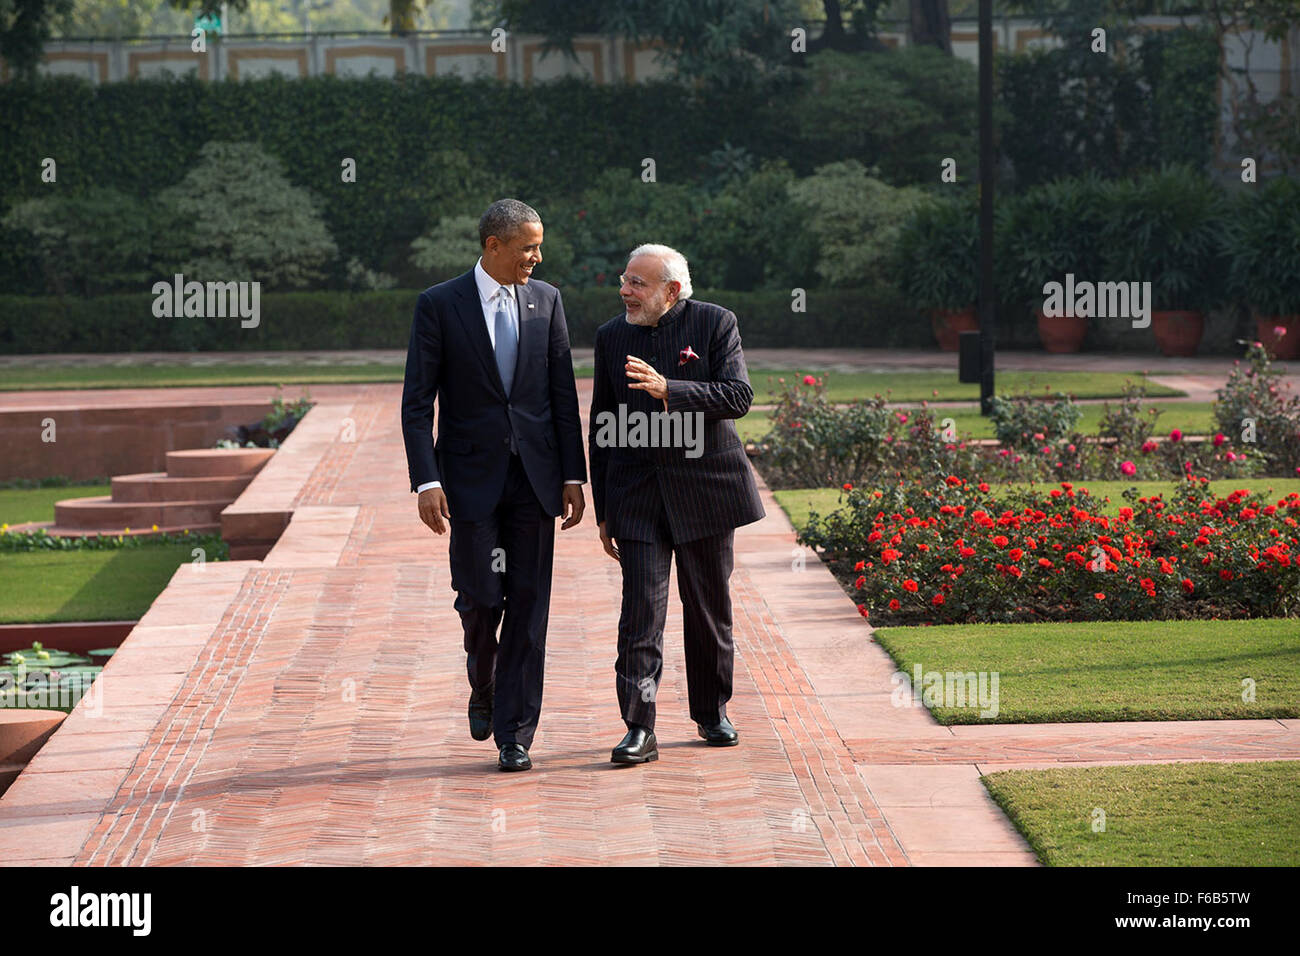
point(646, 295)
point(511, 261)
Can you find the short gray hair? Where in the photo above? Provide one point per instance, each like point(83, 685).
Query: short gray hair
point(503, 219)
point(674, 263)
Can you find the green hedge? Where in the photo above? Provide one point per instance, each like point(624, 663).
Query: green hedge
point(851, 318)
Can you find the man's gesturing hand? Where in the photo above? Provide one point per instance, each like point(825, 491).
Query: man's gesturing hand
point(645, 377)
point(433, 508)
point(574, 504)
point(608, 544)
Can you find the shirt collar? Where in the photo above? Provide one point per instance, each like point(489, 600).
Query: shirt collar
point(488, 286)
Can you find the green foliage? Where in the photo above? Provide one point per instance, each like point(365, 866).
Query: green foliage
point(1166, 228)
point(937, 255)
point(1050, 230)
point(444, 252)
point(236, 217)
point(1257, 404)
point(215, 549)
point(1026, 422)
point(856, 219)
point(731, 44)
point(753, 234)
point(1275, 127)
point(1071, 111)
point(97, 242)
point(25, 26)
point(1263, 241)
point(902, 112)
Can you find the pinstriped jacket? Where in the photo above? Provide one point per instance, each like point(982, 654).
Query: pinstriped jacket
point(702, 495)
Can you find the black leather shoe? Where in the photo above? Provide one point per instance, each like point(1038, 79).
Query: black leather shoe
point(721, 734)
point(480, 714)
point(514, 757)
point(639, 746)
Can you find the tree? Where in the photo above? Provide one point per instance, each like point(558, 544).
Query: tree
point(726, 43)
point(930, 24)
point(235, 216)
point(25, 26)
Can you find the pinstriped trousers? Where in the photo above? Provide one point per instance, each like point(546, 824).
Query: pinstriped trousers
point(704, 569)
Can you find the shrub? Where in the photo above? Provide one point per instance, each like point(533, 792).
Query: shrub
point(946, 550)
point(1256, 402)
point(448, 249)
point(100, 241)
point(1023, 421)
point(937, 255)
point(236, 217)
point(1263, 241)
point(857, 219)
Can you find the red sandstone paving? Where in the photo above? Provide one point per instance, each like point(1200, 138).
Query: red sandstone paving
point(307, 711)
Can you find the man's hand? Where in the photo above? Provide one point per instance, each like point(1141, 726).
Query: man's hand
point(433, 508)
point(608, 544)
point(574, 504)
point(646, 378)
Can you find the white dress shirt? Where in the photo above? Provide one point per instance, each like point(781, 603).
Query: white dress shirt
point(490, 294)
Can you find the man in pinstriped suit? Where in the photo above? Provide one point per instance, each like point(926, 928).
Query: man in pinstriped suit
point(669, 354)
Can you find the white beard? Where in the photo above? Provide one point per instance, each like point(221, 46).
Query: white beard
point(641, 319)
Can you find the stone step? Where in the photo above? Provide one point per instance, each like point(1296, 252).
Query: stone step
point(217, 462)
point(23, 731)
point(103, 513)
point(159, 486)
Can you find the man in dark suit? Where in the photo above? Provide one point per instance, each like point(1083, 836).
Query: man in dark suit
point(669, 355)
point(492, 347)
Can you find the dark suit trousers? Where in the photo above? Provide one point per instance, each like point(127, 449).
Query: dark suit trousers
point(703, 572)
point(501, 570)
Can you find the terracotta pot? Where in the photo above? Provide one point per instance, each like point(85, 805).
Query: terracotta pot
point(948, 324)
point(1285, 346)
point(1062, 334)
point(1178, 333)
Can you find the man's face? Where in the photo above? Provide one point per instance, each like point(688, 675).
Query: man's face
point(511, 261)
point(646, 295)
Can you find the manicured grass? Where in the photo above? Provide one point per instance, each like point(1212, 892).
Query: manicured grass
point(1192, 418)
point(1113, 670)
point(1183, 814)
point(841, 387)
point(921, 386)
point(20, 505)
point(162, 376)
point(39, 586)
point(798, 502)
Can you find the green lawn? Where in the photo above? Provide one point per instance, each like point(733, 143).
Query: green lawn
point(20, 505)
point(1184, 814)
point(1114, 670)
point(841, 387)
point(797, 502)
point(162, 376)
point(1192, 418)
point(119, 584)
point(921, 386)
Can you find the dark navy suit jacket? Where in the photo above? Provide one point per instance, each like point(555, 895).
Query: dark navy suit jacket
point(630, 487)
point(450, 357)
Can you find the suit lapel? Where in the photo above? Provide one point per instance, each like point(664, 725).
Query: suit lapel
point(470, 311)
point(529, 329)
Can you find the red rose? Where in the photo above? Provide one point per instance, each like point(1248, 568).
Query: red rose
point(894, 605)
point(937, 600)
point(910, 585)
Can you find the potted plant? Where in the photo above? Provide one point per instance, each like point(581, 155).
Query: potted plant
point(1165, 228)
point(938, 258)
point(1048, 232)
point(1263, 245)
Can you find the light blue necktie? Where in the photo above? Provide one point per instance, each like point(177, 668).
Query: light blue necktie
point(507, 342)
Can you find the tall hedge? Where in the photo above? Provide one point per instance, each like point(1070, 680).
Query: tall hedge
point(546, 140)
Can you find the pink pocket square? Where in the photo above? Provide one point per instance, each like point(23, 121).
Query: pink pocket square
point(686, 355)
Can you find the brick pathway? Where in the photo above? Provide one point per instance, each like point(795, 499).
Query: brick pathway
point(309, 709)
